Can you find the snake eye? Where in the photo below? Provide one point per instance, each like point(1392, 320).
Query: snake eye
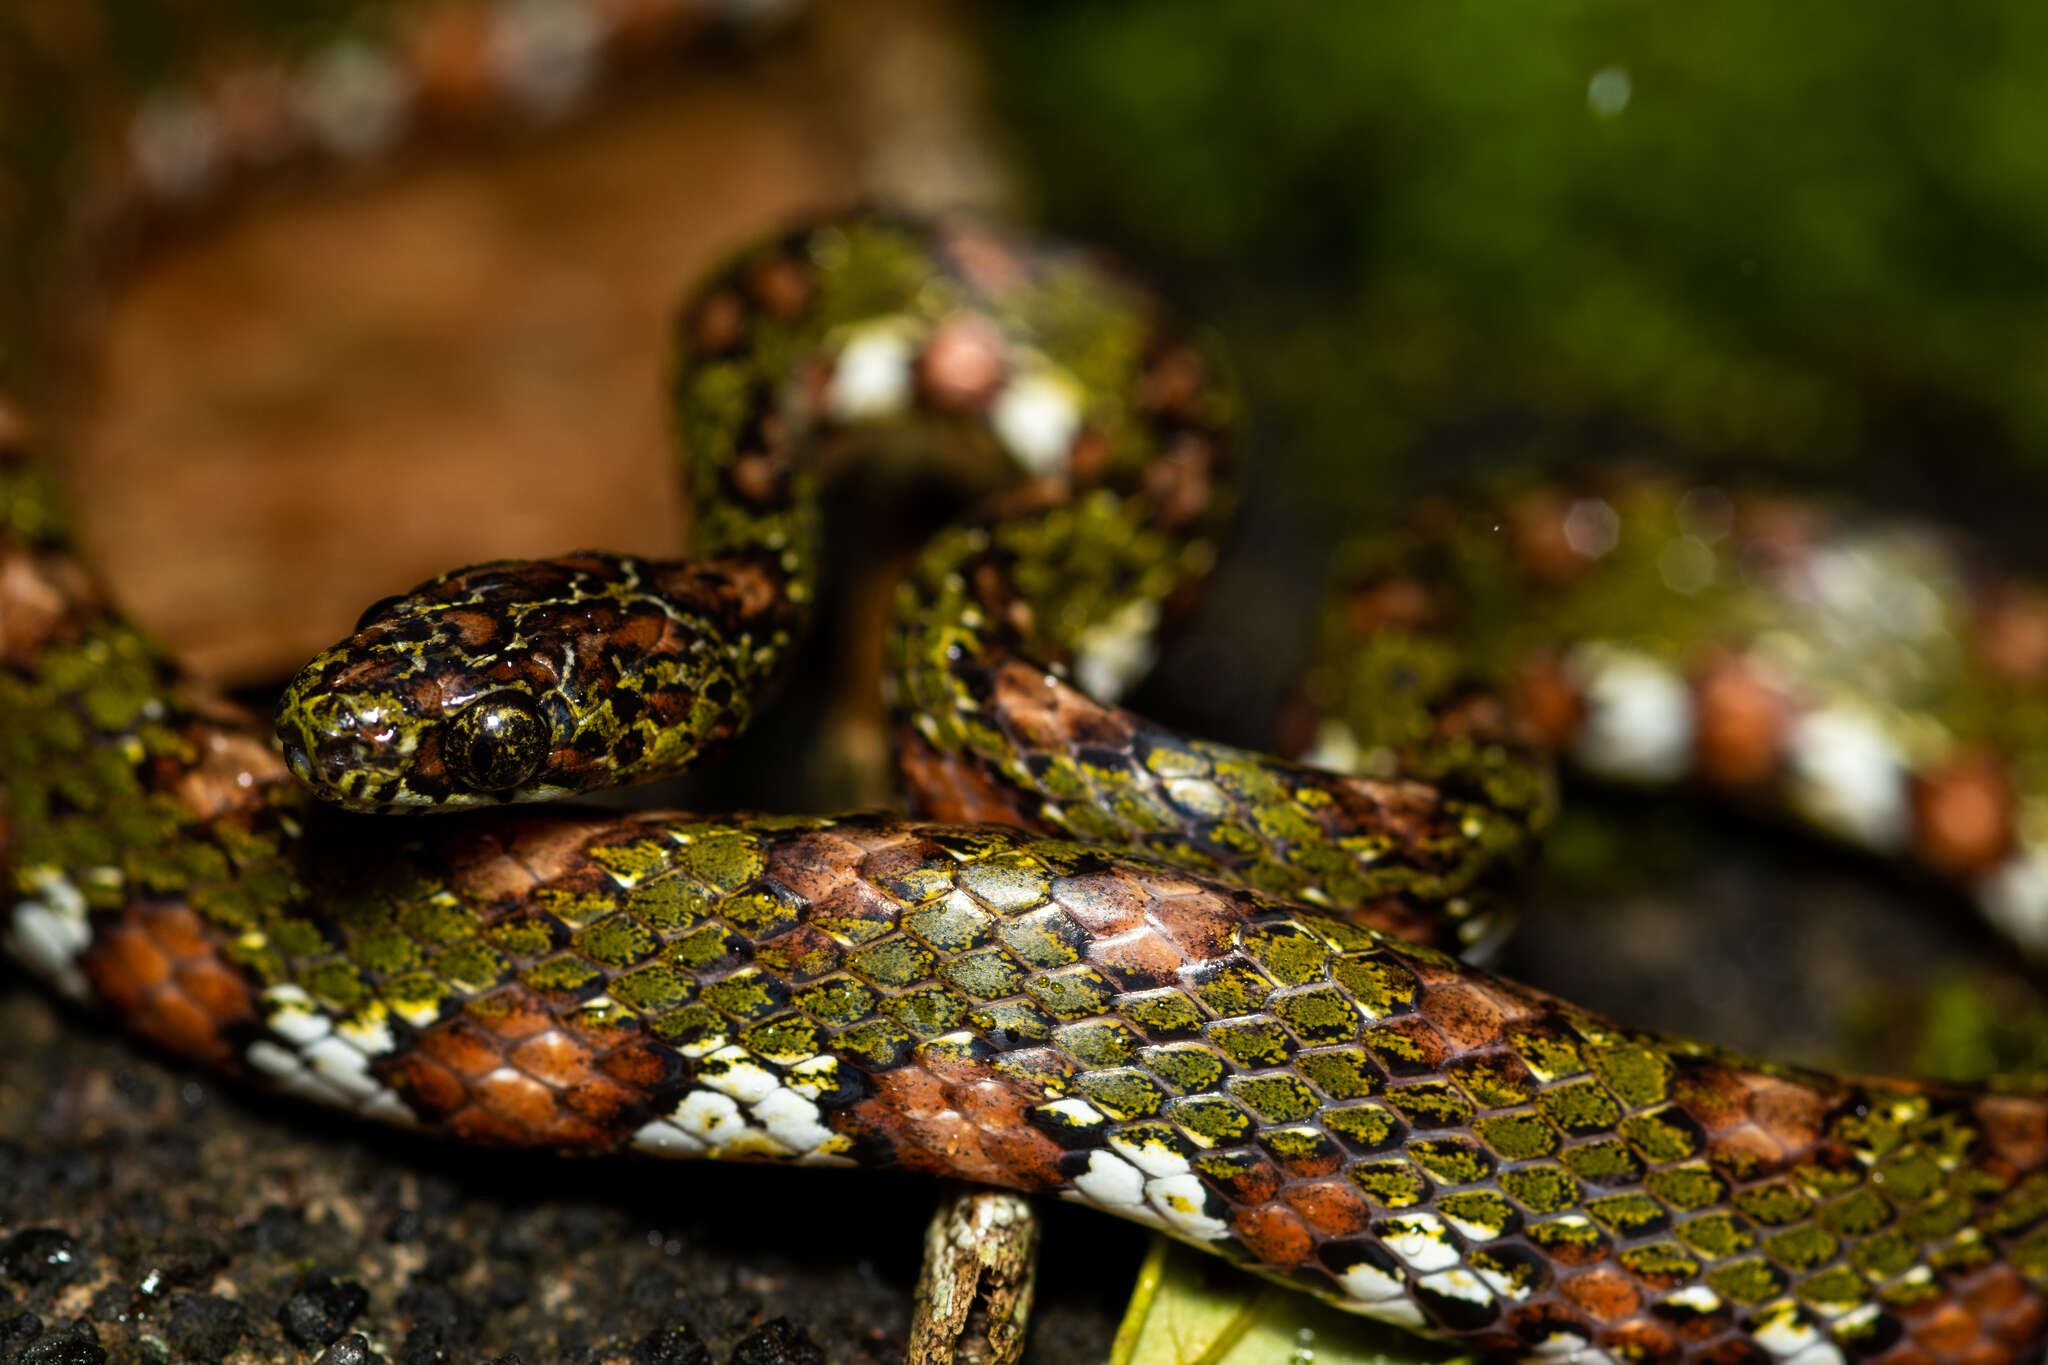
point(496, 742)
point(375, 610)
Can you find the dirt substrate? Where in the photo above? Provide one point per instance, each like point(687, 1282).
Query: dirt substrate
point(150, 1214)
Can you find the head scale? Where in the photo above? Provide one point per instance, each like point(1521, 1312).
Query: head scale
point(504, 682)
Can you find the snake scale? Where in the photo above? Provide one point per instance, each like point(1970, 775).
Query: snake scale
point(1211, 990)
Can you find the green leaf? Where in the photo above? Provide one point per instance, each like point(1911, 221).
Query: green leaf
point(1191, 1309)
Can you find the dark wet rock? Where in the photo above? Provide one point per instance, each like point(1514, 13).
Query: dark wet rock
point(16, 1331)
point(37, 1256)
point(277, 1228)
point(77, 1344)
point(205, 1327)
point(582, 1226)
point(113, 1300)
point(353, 1349)
point(778, 1342)
point(427, 1344)
point(446, 1260)
point(187, 1262)
point(677, 1345)
point(449, 1314)
point(653, 1289)
point(321, 1311)
point(408, 1225)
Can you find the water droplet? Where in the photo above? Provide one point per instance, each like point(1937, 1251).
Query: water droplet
point(1607, 94)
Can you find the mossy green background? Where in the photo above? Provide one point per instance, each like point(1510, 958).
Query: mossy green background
point(1814, 236)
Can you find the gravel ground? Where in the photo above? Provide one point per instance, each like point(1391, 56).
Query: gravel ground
point(150, 1214)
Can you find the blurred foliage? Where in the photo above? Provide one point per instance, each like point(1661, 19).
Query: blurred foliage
point(1812, 236)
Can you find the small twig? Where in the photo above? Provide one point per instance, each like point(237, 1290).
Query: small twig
point(974, 1293)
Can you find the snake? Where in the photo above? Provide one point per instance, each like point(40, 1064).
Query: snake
point(1222, 993)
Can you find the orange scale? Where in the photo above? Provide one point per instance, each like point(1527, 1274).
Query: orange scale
point(1332, 1207)
point(1998, 1287)
point(2012, 634)
point(1274, 1234)
point(179, 932)
point(1137, 961)
point(1794, 1115)
point(813, 866)
point(950, 788)
point(215, 989)
point(1103, 903)
point(599, 1100)
point(427, 1084)
point(1256, 1181)
point(1642, 1341)
point(488, 1129)
point(2021, 1325)
point(1548, 698)
point(463, 1048)
point(1963, 814)
point(1328, 1159)
point(552, 848)
point(1199, 926)
point(599, 1034)
point(1947, 1332)
point(125, 963)
point(1740, 719)
point(552, 1058)
point(517, 1097)
point(493, 884)
point(510, 1013)
point(2016, 1128)
point(915, 1093)
point(640, 1064)
point(1604, 1294)
point(1022, 1158)
point(1467, 1016)
point(173, 1022)
point(1741, 1350)
point(988, 1104)
point(964, 362)
point(1029, 710)
point(1987, 1353)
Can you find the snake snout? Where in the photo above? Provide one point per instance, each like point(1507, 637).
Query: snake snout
point(338, 747)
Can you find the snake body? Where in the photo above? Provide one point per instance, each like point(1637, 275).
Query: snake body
point(1210, 990)
point(1874, 680)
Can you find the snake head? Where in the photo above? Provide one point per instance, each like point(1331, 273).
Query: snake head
point(511, 681)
